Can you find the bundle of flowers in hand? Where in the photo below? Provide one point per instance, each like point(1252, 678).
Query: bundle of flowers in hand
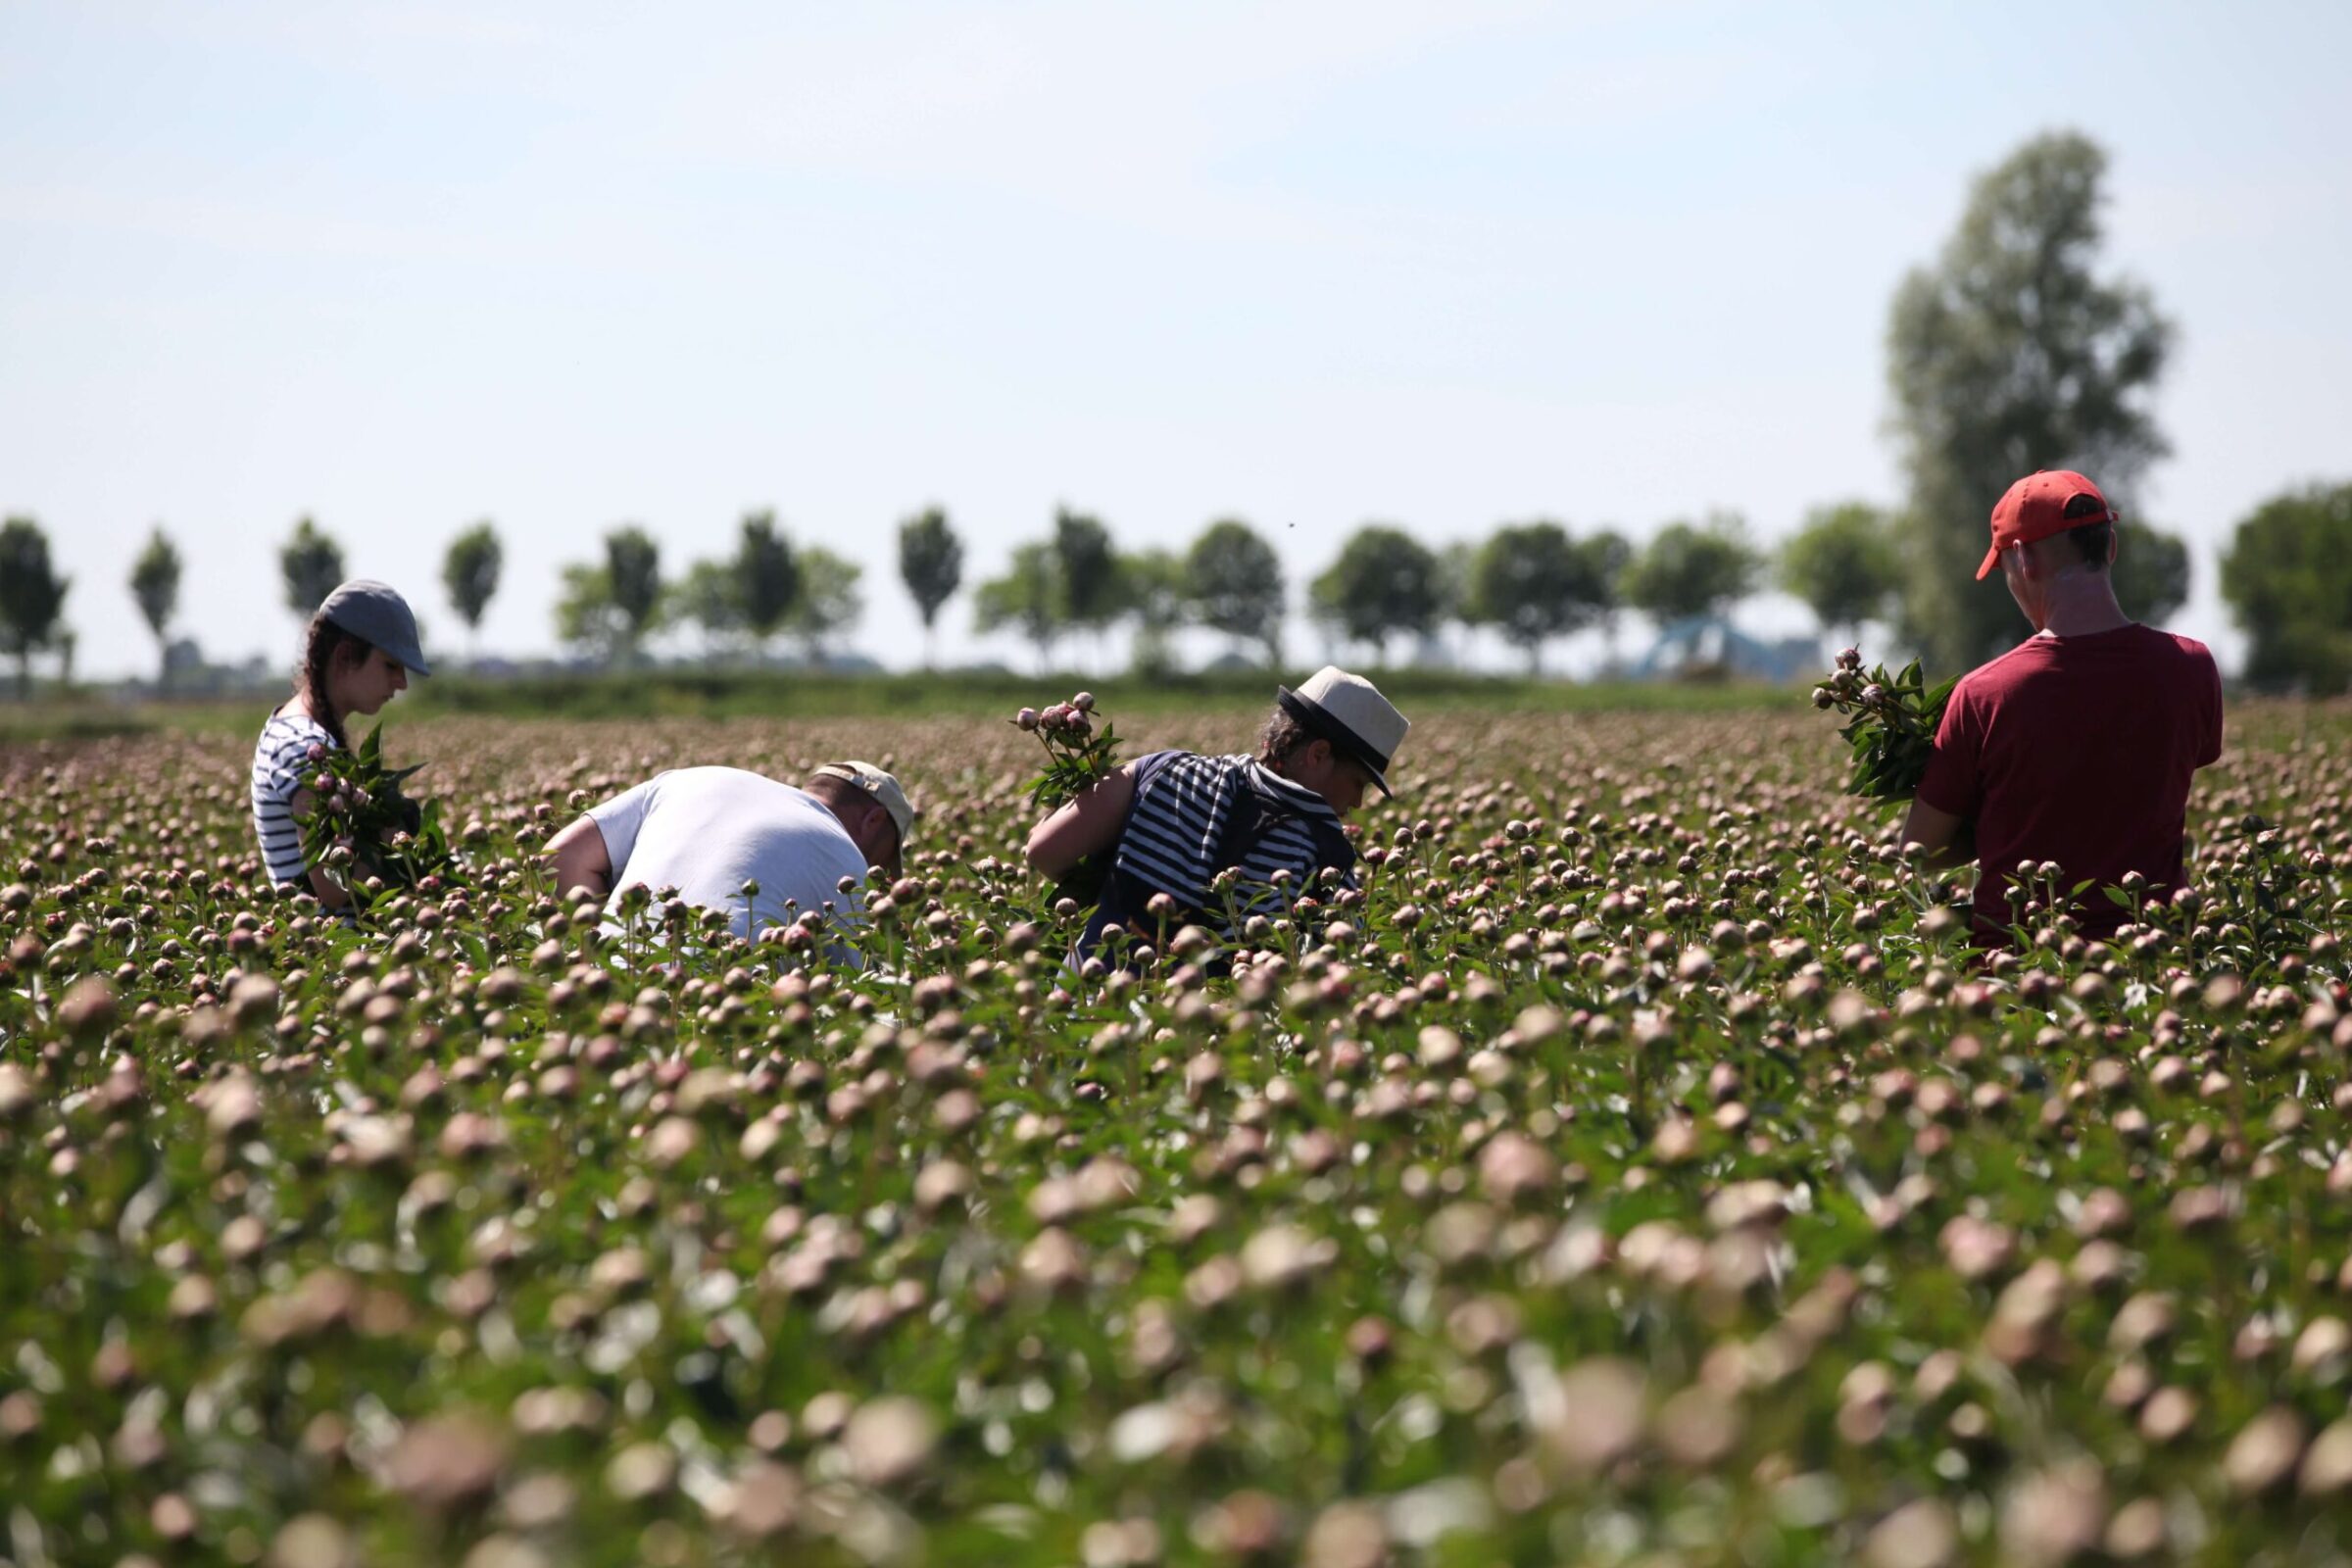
point(362, 828)
point(1078, 757)
point(1893, 723)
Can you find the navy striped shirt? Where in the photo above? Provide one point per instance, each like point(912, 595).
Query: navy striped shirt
point(281, 763)
point(1182, 803)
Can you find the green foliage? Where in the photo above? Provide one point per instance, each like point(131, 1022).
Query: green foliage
point(1892, 728)
point(1638, 1166)
point(1694, 569)
point(1092, 595)
point(586, 617)
point(1158, 590)
point(1531, 582)
point(312, 563)
point(633, 584)
point(2010, 354)
point(2151, 570)
point(768, 576)
point(33, 596)
point(2287, 579)
point(930, 564)
point(1845, 564)
point(470, 572)
point(1028, 598)
point(1384, 584)
point(1077, 758)
point(1607, 556)
point(1234, 579)
point(711, 596)
point(829, 601)
point(364, 831)
point(155, 582)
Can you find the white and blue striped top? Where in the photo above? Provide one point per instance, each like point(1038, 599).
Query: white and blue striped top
point(282, 762)
point(1180, 812)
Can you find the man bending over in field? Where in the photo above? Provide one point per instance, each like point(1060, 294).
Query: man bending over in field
point(1177, 821)
point(2075, 745)
point(709, 832)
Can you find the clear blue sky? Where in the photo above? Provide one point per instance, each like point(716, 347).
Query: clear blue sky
point(403, 266)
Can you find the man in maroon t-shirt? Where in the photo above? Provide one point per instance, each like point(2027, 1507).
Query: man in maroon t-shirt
point(2075, 745)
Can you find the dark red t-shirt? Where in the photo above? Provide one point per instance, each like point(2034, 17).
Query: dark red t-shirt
point(2078, 749)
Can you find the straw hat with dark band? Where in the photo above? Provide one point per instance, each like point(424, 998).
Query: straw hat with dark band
point(1349, 711)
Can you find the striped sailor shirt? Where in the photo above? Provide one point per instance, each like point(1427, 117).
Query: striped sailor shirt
point(1177, 827)
point(281, 760)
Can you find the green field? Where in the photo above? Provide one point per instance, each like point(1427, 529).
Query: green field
point(750, 693)
point(1640, 1169)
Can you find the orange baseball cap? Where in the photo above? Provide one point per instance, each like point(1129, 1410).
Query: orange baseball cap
point(2035, 508)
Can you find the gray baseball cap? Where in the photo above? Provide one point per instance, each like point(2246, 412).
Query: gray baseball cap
point(376, 613)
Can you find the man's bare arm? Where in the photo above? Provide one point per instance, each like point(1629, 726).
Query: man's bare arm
point(579, 859)
point(1089, 824)
point(1936, 831)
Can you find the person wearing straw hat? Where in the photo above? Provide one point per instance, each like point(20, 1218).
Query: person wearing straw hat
point(711, 833)
point(358, 654)
point(1243, 835)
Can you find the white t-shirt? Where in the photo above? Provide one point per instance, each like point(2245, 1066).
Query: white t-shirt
point(707, 831)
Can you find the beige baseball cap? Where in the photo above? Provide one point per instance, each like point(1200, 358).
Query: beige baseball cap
point(881, 786)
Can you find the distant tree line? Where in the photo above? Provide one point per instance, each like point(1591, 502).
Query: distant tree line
point(2288, 575)
point(2008, 353)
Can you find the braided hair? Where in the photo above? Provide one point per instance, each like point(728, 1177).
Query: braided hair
point(1282, 737)
point(318, 651)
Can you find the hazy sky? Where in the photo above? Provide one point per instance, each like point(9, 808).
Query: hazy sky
point(404, 267)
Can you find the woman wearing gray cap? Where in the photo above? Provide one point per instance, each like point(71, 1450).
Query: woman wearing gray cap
point(359, 653)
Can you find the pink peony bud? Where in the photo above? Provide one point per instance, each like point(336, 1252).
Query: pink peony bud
point(1084, 702)
point(317, 753)
point(1026, 719)
point(1850, 659)
point(1873, 695)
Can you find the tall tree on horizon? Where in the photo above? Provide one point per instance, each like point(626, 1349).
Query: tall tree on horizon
point(2006, 356)
point(931, 564)
point(1092, 593)
point(1691, 569)
point(828, 601)
point(769, 576)
point(1160, 604)
point(1386, 583)
point(1846, 564)
point(1234, 579)
point(633, 580)
point(1606, 555)
point(469, 574)
point(155, 584)
point(1027, 598)
point(2286, 576)
point(312, 563)
point(1529, 582)
point(33, 596)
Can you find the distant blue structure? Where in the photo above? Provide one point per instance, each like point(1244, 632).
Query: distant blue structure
point(1713, 643)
